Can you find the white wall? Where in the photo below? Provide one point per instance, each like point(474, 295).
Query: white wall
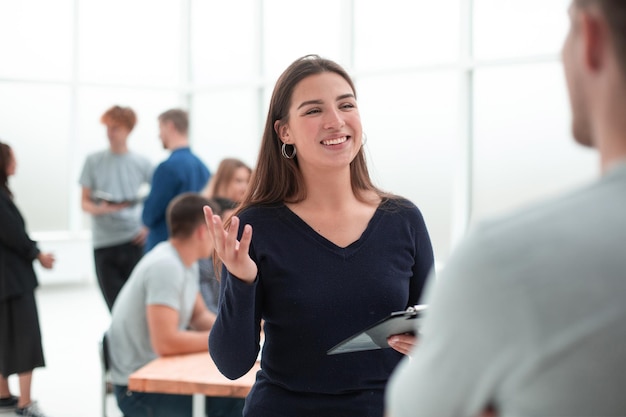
point(463, 101)
point(73, 255)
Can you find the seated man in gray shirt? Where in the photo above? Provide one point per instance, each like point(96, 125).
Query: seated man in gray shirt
point(160, 312)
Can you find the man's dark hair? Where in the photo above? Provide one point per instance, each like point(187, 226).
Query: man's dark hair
point(185, 213)
point(179, 119)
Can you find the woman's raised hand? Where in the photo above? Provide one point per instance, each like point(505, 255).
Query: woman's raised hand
point(233, 253)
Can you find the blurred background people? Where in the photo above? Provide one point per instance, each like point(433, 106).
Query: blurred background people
point(21, 349)
point(230, 180)
point(181, 172)
point(111, 181)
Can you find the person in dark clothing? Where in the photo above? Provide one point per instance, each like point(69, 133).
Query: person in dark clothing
point(316, 252)
point(21, 349)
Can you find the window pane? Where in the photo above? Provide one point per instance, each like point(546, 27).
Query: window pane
point(224, 41)
point(130, 41)
point(225, 124)
point(36, 39)
point(401, 33)
point(293, 29)
point(523, 148)
point(36, 124)
point(412, 126)
point(514, 28)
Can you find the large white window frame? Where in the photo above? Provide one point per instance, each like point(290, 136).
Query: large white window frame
point(465, 66)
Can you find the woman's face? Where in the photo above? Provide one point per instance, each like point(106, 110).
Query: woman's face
point(12, 164)
point(236, 188)
point(324, 122)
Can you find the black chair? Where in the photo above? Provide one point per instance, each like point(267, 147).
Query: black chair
point(104, 372)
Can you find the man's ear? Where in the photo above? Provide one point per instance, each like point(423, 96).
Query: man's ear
point(595, 38)
point(201, 231)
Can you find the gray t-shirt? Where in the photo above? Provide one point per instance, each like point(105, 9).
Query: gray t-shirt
point(528, 315)
point(160, 278)
point(118, 176)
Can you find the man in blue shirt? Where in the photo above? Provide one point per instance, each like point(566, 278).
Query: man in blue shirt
point(181, 172)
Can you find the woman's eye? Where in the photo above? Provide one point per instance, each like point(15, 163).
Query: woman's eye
point(347, 106)
point(312, 111)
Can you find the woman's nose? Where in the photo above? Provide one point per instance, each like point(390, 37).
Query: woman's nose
point(334, 120)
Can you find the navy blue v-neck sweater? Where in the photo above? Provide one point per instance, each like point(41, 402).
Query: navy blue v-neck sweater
point(312, 294)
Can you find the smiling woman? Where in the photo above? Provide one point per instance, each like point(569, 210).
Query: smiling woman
point(318, 252)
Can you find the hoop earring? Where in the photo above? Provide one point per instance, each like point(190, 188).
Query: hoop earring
point(283, 151)
point(363, 139)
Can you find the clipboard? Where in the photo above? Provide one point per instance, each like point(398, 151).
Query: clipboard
point(98, 195)
point(375, 336)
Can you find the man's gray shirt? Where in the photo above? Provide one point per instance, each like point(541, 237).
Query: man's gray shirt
point(528, 315)
point(160, 278)
point(120, 177)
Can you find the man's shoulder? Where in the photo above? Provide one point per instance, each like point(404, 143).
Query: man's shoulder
point(163, 253)
point(168, 166)
point(559, 213)
point(185, 156)
point(178, 159)
point(528, 237)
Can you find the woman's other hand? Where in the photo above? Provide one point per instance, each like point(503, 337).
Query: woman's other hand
point(403, 343)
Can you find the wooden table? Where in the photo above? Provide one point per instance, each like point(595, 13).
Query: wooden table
point(194, 374)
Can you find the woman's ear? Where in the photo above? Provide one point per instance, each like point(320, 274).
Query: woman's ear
point(282, 131)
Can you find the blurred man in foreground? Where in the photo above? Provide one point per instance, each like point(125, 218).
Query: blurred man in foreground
point(527, 318)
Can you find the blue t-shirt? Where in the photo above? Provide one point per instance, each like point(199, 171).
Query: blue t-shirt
point(312, 294)
point(181, 172)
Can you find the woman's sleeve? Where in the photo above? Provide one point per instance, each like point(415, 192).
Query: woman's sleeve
point(13, 233)
point(424, 260)
point(235, 336)
point(234, 341)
